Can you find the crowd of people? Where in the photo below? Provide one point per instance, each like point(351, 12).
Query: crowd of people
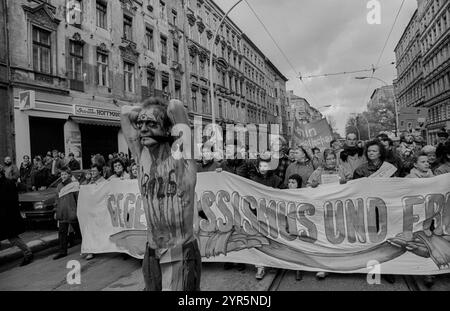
point(301, 167)
point(298, 167)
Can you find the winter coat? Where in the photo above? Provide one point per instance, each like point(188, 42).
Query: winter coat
point(125, 175)
point(66, 206)
point(11, 222)
point(368, 169)
point(209, 166)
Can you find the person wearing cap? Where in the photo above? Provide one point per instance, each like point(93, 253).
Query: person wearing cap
point(73, 164)
point(430, 151)
point(442, 137)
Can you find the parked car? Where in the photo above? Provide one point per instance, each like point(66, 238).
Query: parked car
point(38, 206)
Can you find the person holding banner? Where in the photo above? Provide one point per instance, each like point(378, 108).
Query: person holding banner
point(172, 259)
point(66, 210)
point(444, 168)
point(329, 172)
point(351, 156)
point(118, 167)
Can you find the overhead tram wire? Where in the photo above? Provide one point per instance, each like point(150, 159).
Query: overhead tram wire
point(282, 52)
point(344, 72)
point(382, 51)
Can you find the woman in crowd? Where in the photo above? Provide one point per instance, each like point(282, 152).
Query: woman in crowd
point(376, 155)
point(119, 170)
point(133, 171)
point(304, 166)
point(86, 178)
point(430, 151)
point(444, 168)
point(265, 176)
point(295, 182)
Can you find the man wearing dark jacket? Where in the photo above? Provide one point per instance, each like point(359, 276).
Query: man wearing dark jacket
point(40, 176)
point(11, 222)
point(73, 164)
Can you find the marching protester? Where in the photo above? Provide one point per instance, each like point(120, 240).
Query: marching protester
point(304, 165)
point(351, 156)
point(47, 160)
point(336, 146)
point(266, 177)
point(40, 176)
point(430, 151)
point(118, 168)
point(11, 222)
point(329, 168)
point(279, 151)
point(11, 170)
point(66, 210)
point(25, 171)
point(295, 182)
point(73, 164)
point(86, 179)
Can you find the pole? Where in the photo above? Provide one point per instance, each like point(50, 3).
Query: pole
point(211, 85)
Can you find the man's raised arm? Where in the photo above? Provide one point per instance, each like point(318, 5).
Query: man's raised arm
point(128, 118)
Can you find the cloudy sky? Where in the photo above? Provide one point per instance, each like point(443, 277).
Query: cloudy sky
point(326, 36)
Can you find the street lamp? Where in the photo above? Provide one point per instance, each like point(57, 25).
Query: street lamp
point(395, 101)
point(211, 47)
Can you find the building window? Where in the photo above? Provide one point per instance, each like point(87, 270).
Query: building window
point(128, 75)
point(102, 69)
point(76, 61)
point(164, 50)
point(162, 11)
point(165, 87)
point(149, 39)
point(202, 68)
point(101, 14)
point(175, 52)
point(41, 50)
point(127, 28)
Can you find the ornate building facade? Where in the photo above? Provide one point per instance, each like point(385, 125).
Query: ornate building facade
point(423, 64)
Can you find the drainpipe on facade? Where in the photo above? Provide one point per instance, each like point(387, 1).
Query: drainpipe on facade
point(12, 150)
point(186, 53)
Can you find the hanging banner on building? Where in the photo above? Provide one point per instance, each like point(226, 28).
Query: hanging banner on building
point(313, 134)
point(330, 228)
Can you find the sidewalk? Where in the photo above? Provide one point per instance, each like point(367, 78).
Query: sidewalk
point(36, 240)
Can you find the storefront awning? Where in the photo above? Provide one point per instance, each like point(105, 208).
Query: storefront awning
point(93, 121)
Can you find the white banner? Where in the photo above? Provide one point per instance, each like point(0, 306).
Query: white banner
point(401, 224)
